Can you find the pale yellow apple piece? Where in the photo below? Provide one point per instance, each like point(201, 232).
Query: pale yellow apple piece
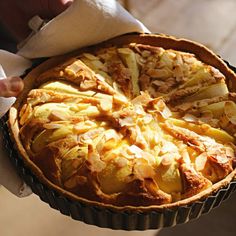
point(210, 91)
point(217, 109)
point(113, 179)
point(168, 178)
point(201, 76)
point(129, 58)
point(63, 87)
point(204, 129)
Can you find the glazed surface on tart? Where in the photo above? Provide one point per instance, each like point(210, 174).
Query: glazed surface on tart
point(133, 125)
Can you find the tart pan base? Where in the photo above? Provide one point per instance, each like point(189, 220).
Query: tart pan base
point(106, 218)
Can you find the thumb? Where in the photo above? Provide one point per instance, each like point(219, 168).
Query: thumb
point(58, 6)
point(45, 8)
point(11, 87)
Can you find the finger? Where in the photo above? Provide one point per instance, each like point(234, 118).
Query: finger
point(58, 6)
point(46, 9)
point(16, 14)
point(11, 87)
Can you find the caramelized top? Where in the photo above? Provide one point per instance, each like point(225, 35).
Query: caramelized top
point(136, 125)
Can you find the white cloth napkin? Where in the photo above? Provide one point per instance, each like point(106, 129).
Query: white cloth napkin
point(13, 65)
point(84, 23)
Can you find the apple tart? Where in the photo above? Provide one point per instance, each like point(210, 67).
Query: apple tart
point(137, 121)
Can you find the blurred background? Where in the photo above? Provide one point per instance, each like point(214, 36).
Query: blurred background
point(211, 22)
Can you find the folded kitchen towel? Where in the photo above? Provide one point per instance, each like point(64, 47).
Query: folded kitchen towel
point(13, 65)
point(84, 23)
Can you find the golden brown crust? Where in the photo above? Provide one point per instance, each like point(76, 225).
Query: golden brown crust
point(193, 182)
point(144, 193)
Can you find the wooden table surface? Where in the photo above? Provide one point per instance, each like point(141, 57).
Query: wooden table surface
point(211, 22)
